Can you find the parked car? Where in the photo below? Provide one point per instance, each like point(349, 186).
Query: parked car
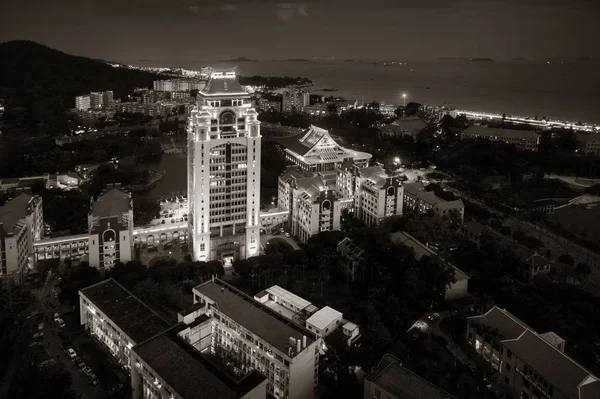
point(60, 322)
point(56, 316)
point(115, 389)
point(87, 371)
point(71, 352)
point(93, 379)
point(38, 335)
point(287, 234)
point(79, 362)
point(435, 316)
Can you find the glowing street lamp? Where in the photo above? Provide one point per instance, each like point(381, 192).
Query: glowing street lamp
point(404, 98)
point(396, 160)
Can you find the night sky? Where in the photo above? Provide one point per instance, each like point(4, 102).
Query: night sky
point(155, 30)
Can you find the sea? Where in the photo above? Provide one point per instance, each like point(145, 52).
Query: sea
point(567, 91)
point(564, 91)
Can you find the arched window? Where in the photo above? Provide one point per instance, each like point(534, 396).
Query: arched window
point(326, 205)
point(109, 235)
point(227, 118)
point(391, 191)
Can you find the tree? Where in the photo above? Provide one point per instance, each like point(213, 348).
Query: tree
point(566, 259)
point(412, 108)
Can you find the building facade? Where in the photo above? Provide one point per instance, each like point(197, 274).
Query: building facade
point(522, 139)
point(588, 143)
point(376, 195)
point(284, 352)
point(295, 100)
point(82, 103)
point(530, 365)
point(21, 224)
point(179, 85)
point(110, 224)
point(418, 199)
point(224, 144)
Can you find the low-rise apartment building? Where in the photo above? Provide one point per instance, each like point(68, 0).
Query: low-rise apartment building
point(588, 143)
point(295, 100)
point(391, 380)
point(375, 194)
point(531, 365)
point(21, 224)
point(283, 351)
point(110, 224)
point(117, 318)
point(522, 139)
point(418, 199)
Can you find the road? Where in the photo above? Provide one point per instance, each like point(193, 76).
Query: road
point(265, 238)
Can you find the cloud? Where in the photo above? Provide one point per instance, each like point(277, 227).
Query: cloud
point(230, 7)
point(287, 12)
point(194, 9)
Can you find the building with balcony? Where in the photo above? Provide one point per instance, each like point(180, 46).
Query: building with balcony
point(352, 255)
point(110, 224)
point(94, 101)
point(169, 366)
point(283, 351)
point(521, 139)
point(530, 365)
point(316, 151)
point(295, 100)
point(179, 85)
point(390, 380)
point(418, 199)
point(376, 195)
point(21, 224)
point(224, 164)
point(117, 318)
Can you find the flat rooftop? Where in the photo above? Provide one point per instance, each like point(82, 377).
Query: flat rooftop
point(256, 317)
point(125, 310)
point(13, 211)
point(188, 372)
point(397, 380)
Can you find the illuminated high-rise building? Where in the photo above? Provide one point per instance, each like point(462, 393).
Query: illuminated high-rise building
point(224, 172)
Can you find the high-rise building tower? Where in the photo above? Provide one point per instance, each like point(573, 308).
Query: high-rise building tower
point(224, 172)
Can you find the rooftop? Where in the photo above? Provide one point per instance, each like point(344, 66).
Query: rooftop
point(349, 249)
point(289, 297)
point(125, 310)
point(113, 202)
point(420, 249)
point(311, 185)
point(495, 131)
point(392, 377)
point(418, 189)
point(324, 317)
point(188, 372)
point(553, 365)
point(262, 321)
point(13, 211)
point(376, 174)
point(507, 325)
point(223, 84)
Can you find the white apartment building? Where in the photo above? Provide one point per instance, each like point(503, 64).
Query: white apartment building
point(224, 144)
point(283, 351)
point(110, 224)
point(531, 365)
point(172, 366)
point(82, 103)
point(419, 200)
point(21, 224)
point(295, 100)
point(522, 139)
point(179, 85)
point(117, 318)
point(376, 195)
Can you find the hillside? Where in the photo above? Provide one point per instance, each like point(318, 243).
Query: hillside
point(39, 83)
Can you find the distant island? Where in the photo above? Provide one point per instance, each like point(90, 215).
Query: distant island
point(481, 60)
point(519, 59)
point(452, 59)
point(274, 82)
point(297, 60)
point(239, 59)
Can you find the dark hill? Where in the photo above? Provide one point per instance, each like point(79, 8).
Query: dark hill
point(31, 69)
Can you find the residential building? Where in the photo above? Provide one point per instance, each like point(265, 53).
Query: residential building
point(532, 263)
point(265, 104)
point(319, 109)
point(287, 304)
point(295, 100)
point(21, 224)
point(108, 100)
point(376, 195)
point(82, 103)
point(179, 85)
point(456, 290)
point(313, 206)
point(283, 351)
point(522, 139)
point(352, 256)
point(391, 380)
point(110, 224)
point(224, 144)
point(316, 151)
point(117, 318)
point(387, 109)
point(588, 143)
point(407, 126)
point(418, 199)
point(169, 366)
point(96, 100)
point(325, 321)
point(155, 109)
point(530, 365)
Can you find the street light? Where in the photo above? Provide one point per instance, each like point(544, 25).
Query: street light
point(404, 98)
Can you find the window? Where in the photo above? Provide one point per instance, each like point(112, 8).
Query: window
point(507, 366)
